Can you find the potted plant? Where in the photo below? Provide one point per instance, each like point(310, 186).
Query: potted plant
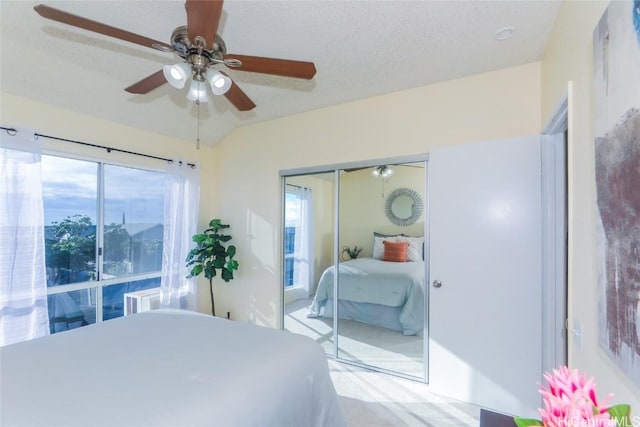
point(210, 255)
point(351, 252)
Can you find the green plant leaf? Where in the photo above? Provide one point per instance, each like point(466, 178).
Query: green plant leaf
point(524, 422)
point(209, 271)
point(227, 275)
point(621, 414)
point(199, 238)
point(196, 270)
point(231, 250)
point(211, 255)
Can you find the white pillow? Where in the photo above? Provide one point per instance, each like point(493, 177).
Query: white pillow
point(415, 249)
point(378, 246)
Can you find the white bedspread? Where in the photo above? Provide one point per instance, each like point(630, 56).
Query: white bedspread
point(371, 281)
point(167, 368)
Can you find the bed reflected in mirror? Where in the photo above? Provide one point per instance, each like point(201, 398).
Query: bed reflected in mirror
point(381, 300)
point(380, 263)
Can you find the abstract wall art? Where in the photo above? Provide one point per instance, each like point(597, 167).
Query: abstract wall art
point(616, 52)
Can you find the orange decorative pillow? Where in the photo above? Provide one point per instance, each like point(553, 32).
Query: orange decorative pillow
point(395, 251)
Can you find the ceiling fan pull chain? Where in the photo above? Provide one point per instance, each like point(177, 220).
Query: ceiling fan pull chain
point(198, 130)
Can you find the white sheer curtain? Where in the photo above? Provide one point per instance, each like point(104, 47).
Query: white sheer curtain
point(181, 203)
point(303, 246)
point(23, 284)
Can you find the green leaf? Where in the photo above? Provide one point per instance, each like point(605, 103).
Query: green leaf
point(524, 422)
point(227, 275)
point(621, 414)
point(199, 238)
point(231, 250)
point(209, 272)
point(196, 270)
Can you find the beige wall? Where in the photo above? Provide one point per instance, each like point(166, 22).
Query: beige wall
point(362, 205)
point(569, 57)
point(240, 176)
point(489, 106)
point(45, 119)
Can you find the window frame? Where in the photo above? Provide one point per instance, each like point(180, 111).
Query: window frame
point(99, 283)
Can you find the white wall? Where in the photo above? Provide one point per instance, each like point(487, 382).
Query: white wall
point(489, 106)
point(569, 57)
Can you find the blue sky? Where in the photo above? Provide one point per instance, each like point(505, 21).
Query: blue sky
point(70, 187)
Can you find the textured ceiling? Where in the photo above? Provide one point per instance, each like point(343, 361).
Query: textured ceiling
point(360, 48)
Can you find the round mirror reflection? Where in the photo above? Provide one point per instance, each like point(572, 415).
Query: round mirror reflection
point(404, 206)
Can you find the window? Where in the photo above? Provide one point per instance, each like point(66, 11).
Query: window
point(103, 237)
point(289, 250)
point(298, 264)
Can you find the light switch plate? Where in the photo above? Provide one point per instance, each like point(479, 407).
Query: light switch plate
point(576, 332)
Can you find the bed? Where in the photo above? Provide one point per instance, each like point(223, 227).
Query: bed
point(380, 293)
point(167, 368)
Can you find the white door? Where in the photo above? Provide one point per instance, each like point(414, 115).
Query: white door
point(485, 252)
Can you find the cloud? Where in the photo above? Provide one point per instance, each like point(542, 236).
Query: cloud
point(70, 187)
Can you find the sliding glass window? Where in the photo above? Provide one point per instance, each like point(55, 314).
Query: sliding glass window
point(103, 239)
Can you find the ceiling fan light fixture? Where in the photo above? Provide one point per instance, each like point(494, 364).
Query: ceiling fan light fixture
point(197, 92)
point(177, 74)
point(220, 83)
point(382, 171)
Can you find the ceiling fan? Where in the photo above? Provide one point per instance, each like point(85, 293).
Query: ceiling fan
point(201, 50)
point(383, 171)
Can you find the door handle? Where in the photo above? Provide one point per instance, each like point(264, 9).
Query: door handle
point(437, 283)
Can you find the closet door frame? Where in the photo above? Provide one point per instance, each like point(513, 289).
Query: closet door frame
point(336, 168)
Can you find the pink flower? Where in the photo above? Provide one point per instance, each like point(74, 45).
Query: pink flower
point(570, 401)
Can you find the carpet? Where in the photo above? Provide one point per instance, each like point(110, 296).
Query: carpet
point(359, 342)
point(373, 399)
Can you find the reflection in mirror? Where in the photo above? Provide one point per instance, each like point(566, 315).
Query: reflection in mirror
point(308, 251)
point(381, 302)
point(403, 206)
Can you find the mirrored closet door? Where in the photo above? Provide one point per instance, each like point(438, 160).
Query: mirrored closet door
point(368, 224)
point(308, 249)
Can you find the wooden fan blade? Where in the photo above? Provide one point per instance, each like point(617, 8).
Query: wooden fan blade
point(98, 27)
point(277, 67)
point(203, 17)
point(148, 84)
point(239, 99)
